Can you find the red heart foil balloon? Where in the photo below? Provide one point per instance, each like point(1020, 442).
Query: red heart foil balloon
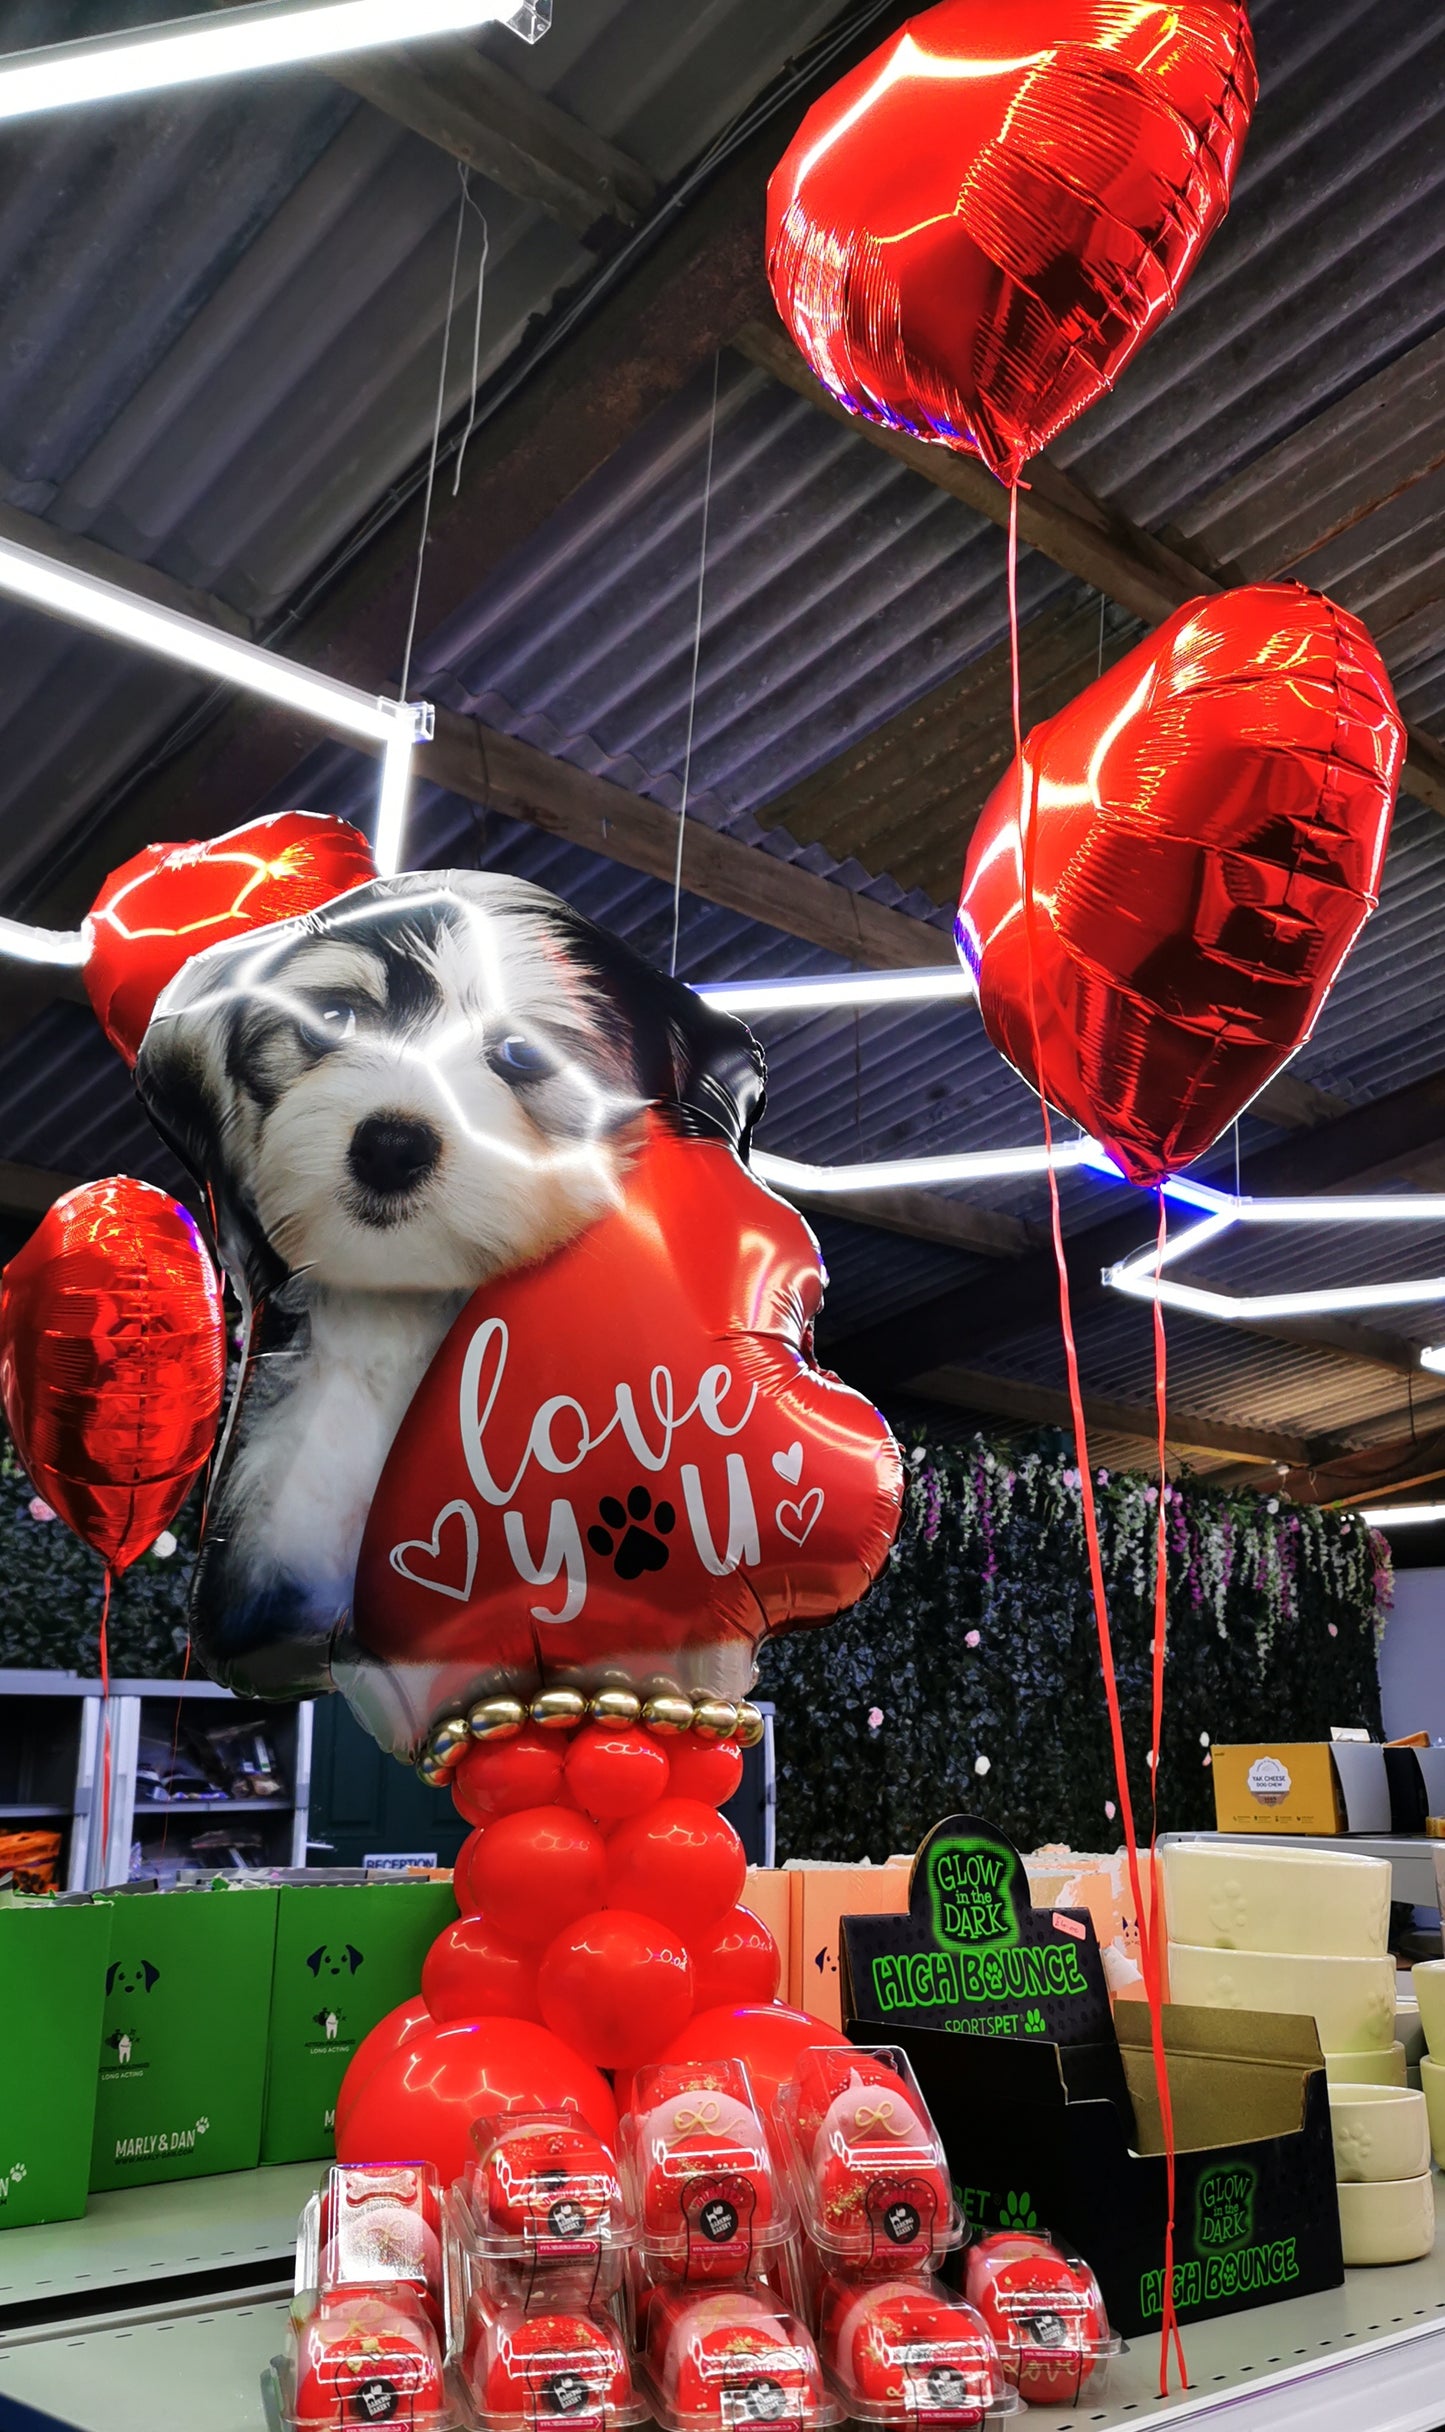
point(112, 1360)
point(1206, 827)
point(623, 1462)
point(172, 900)
point(974, 231)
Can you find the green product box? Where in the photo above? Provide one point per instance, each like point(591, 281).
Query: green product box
point(345, 1955)
point(52, 1966)
point(183, 2036)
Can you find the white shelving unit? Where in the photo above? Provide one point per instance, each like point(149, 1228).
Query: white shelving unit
point(52, 1737)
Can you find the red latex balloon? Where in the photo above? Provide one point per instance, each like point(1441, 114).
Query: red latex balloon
point(463, 1884)
point(737, 1962)
point(1208, 822)
point(173, 900)
point(499, 1776)
point(679, 1862)
point(709, 1770)
point(388, 2035)
point(975, 230)
point(616, 1986)
point(112, 1361)
point(472, 1971)
point(770, 2040)
point(420, 2100)
point(535, 1871)
point(768, 1498)
point(613, 1772)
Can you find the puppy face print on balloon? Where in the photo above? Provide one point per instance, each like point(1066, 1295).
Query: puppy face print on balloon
point(528, 1389)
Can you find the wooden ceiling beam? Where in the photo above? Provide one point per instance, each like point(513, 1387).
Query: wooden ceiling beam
point(487, 118)
point(1043, 1405)
point(1060, 518)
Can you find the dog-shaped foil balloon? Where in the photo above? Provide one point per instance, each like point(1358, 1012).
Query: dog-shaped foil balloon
point(528, 1393)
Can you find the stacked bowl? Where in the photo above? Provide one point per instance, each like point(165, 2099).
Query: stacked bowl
point(1429, 1981)
point(1306, 1932)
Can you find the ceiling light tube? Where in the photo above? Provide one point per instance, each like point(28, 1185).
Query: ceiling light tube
point(785, 1174)
point(1195, 1301)
point(846, 991)
point(56, 949)
point(239, 41)
point(1401, 1515)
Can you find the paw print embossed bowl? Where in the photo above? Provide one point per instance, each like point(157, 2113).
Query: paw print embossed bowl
point(1380, 2132)
point(1352, 2001)
point(1296, 1902)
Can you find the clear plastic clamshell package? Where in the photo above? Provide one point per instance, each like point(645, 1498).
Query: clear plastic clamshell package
point(363, 2345)
point(871, 2176)
point(518, 2370)
point(713, 2358)
point(909, 2351)
point(707, 2200)
point(1046, 2314)
point(542, 2210)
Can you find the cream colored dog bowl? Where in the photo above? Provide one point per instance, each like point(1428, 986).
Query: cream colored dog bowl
point(1380, 2132)
point(1427, 1978)
point(1432, 2079)
point(1392, 2221)
point(1352, 2001)
point(1224, 1898)
point(1367, 2068)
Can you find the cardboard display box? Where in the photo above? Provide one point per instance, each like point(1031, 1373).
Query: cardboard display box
point(1294, 1786)
point(1052, 2137)
point(765, 1892)
point(1099, 1882)
point(818, 1896)
point(187, 1990)
point(53, 1956)
point(344, 1956)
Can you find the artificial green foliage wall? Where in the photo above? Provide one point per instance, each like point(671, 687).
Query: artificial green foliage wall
point(969, 1677)
point(51, 1587)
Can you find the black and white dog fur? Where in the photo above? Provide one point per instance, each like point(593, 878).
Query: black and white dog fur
point(433, 1081)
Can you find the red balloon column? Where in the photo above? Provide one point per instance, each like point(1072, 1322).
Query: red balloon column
point(112, 1360)
point(1207, 825)
point(972, 233)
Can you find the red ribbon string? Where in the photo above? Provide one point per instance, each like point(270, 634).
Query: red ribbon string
point(1153, 1984)
point(105, 1755)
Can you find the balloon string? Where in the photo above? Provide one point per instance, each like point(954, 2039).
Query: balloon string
point(176, 1741)
point(1151, 1950)
point(105, 1754)
point(696, 662)
point(1169, 2330)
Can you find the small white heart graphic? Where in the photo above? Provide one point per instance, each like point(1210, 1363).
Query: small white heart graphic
point(798, 1520)
point(789, 1464)
point(433, 1548)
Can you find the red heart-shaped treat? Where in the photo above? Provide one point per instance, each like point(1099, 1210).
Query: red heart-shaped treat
point(975, 229)
point(622, 1459)
point(172, 900)
point(1206, 826)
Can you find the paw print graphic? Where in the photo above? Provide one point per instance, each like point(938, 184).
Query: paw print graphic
point(632, 1536)
point(202, 2125)
point(1353, 2148)
point(17, 2170)
point(1033, 2022)
point(1016, 2212)
point(1229, 1914)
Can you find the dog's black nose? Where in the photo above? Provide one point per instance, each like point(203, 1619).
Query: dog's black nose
point(393, 1153)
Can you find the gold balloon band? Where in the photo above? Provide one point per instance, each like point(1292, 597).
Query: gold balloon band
point(668, 1712)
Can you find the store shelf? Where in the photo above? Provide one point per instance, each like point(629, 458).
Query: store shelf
point(145, 1808)
point(201, 2370)
point(132, 2241)
point(1411, 1857)
point(30, 1807)
point(1368, 2357)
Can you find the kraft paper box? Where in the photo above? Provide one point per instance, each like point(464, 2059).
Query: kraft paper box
point(345, 1955)
point(766, 1893)
point(1301, 1786)
point(52, 1965)
point(818, 1897)
point(1099, 1882)
point(187, 1998)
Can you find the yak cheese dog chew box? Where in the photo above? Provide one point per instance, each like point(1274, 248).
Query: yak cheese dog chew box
point(1327, 1902)
point(1298, 1786)
point(1352, 2001)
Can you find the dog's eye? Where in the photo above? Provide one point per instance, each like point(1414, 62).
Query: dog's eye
point(335, 1021)
point(518, 1058)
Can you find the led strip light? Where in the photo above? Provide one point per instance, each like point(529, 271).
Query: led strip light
point(239, 41)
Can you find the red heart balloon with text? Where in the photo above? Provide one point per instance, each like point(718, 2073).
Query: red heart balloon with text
point(172, 900)
point(975, 230)
point(623, 1460)
point(1206, 827)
